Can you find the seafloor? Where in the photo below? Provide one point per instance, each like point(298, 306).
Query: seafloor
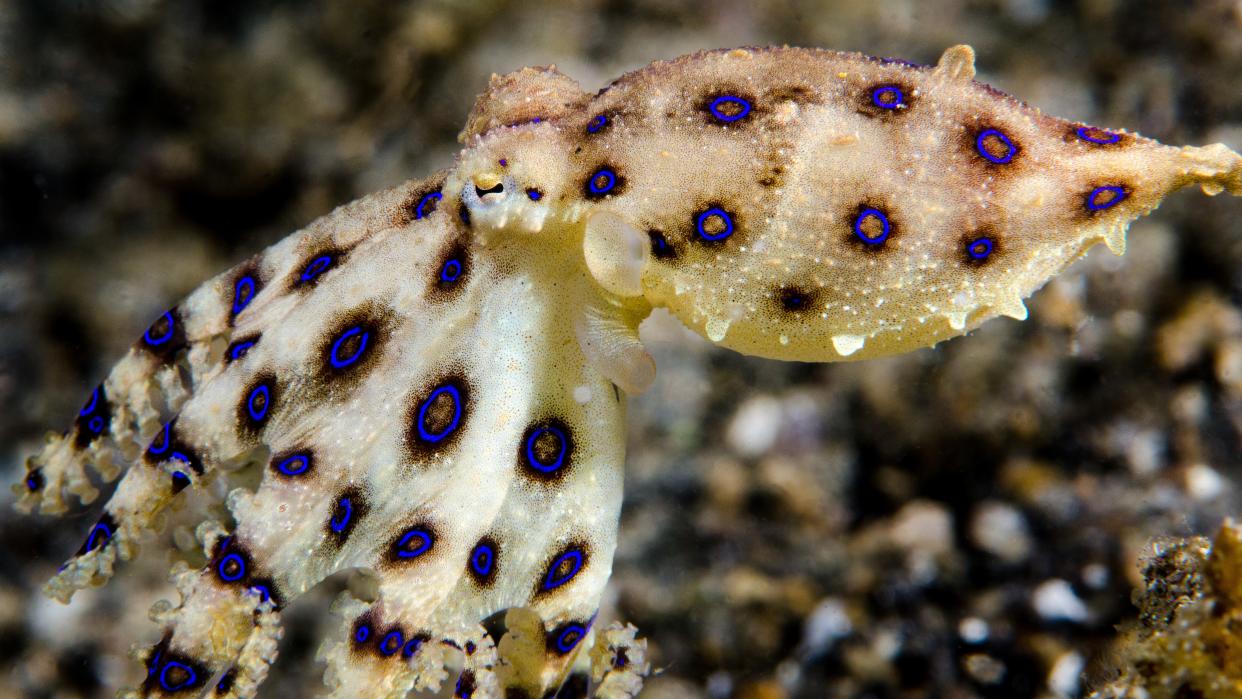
point(967, 521)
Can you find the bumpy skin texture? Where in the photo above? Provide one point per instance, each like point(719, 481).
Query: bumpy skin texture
point(430, 380)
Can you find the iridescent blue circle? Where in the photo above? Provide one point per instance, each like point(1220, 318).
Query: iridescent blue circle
point(551, 580)
point(362, 633)
point(451, 271)
point(160, 444)
point(94, 540)
point(534, 194)
point(980, 248)
point(243, 293)
point(433, 437)
point(294, 465)
point(482, 559)
point(570, 637)
point(180, 481)
point(258, 413)
point(240, 349)
point(897, 97)
point(391, 636)
point(1086, 133)
point(168, 333)
point(869, 212)
point(1011, 149)
point(419, 211)
point(345, 512)
point(423, 543)
point(701, 220)
point(190, 676)
point(96, 424)
point(597, 122)
point(334, 355)
point(264, 593)
point(1119, 195)
point(411, 647)
point(610, 181)
point(743, 108)
point(241, 568)
point(90, 404)
point(34, 480)
point(562, 444)
point(316, 267)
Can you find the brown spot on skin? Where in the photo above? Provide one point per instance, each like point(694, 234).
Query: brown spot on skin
point(798, 94)
point(661, 248)
point(438, 415)
point(773, 176)
point(796, 300)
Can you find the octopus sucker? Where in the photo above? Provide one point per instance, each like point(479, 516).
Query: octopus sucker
point(430, 379)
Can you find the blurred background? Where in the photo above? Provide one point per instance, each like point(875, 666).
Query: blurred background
point(961, 522)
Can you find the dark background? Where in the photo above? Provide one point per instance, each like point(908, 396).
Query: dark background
point(789, 530)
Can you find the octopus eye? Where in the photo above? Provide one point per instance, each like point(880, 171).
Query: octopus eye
point(729, 108)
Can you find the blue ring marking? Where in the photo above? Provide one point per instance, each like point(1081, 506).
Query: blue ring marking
point(240, 349)
point(91, 540)
point(348, 514)
point(898, 99)
point(264, 593)
point(426, 436)
point(316, 267)
point(980, 248)
point(701, 220)
point(295, 465)
point(411, 647)
point(743, 108)
point(1119, 195)
point(485, 552)
point(226, 680)
point(191, 676)
point(534, 194)
point(362, 633)
point(243, 293)
point(34, 481)
point(161, 443)
point(422, 203)
point(423, 546)
point(869, 212)
point(257, 414)
point(154, 663)
point(608, 186)
point(1086, 134)
point(180, 481)
point(596, 123)
point(570, 637)
point(156, 342)
point(241, 568)
point(560, 455)
point(334, 357)
point(451, 271)
point(551, 581)
point(90, 404)
point(1011, 151)
point(96, 424)
point(504, 162)
point(387, 637)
